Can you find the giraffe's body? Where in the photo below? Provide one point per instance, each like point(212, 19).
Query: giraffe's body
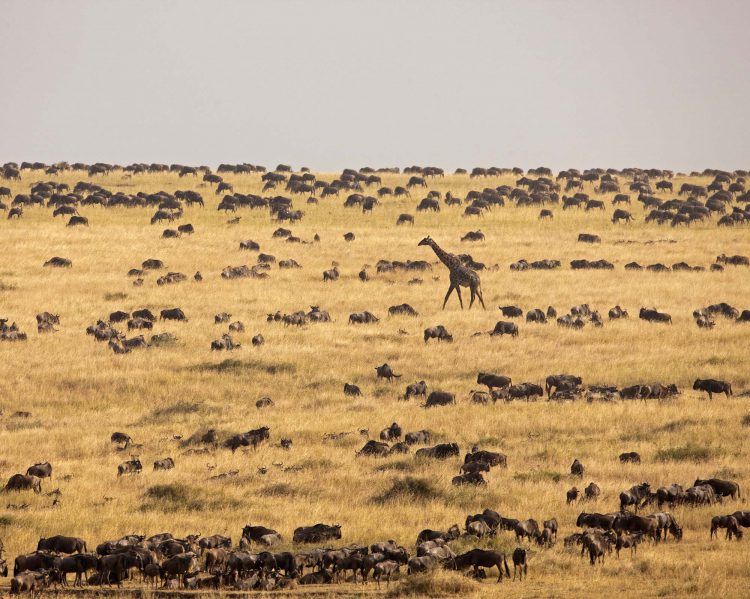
point(460, 275)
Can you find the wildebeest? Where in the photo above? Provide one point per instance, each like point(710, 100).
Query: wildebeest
point(352, 390)
point(592, 491)
point(415, 390)
point(132, 466)
point(511, 311)
point(724, 488)
point(634, 496)
point(172, 314)
point(431, 535)
point(42, 470)
point(439, 398)
point(316, 533)
point(632, 457)
point(571, 495)
point(62, 544)
point(413, 438)
point(621, 215)
point(482, 558)
point(24, 482)
point(505, 328)
point(164, 464)
point(712, 386)
point(58, 262)
point(386, 372)
point(728, 522)
point(576, 468)
point(653, 315)
point(402, 309)
point(442, 451)
point(438, 332)
point(392, 433)
point(29, 582)
point(519, 563)
point(493, 381)
point(526, 528)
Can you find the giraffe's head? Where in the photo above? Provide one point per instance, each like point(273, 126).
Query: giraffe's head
point(426, 241)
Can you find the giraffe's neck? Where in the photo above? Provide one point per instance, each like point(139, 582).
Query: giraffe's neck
point(445, 257)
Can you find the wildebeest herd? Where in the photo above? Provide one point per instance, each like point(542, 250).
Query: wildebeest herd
point(376, 303)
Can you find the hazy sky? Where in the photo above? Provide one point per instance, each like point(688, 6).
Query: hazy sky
point(331, 84)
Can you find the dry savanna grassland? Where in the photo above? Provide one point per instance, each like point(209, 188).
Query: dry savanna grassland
point(78, 391)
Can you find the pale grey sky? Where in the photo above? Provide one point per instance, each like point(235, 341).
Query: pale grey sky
point(332, 84)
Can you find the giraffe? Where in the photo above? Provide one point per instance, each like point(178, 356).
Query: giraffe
point(460, 275)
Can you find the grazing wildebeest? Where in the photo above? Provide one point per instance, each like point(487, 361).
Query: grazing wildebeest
point(724, 488)
point(592, 491)
point(576, 468)
point(352, 390)
point(653, 315)
point(558, 382)
point(61, 544)
point(511, 311)
point(505, 328)
point(493, 381)
point(431, 535)
point(172, 314)
point(438, 332)
point(634, 496)
point(526, 528)
point(628, 542)
point(712, 386)
point(632, 457)
point(595, 520)
point(316, 533)
point(385, 372)
point(29, 582)
point(621, 214)
point(132, 466)
point(481, 558)
point(416, 389)
point(440, 398)
point(42, 470)
point(441, 451)
point(164, 464)
point(422, 437)
point(24, 482)
point(728, 522)
point(596, 545)
point(391, 433)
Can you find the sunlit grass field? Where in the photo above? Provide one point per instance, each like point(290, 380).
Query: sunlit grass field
point(78, 391)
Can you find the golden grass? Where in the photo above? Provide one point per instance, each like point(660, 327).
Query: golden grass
point(79, 392)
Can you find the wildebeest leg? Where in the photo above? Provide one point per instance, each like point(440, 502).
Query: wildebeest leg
point(473, 294)
point(481, 299)
point(447, 295)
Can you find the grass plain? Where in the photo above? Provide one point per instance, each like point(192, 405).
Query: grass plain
point(79, 392)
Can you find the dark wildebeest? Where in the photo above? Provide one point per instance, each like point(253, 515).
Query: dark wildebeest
point(431, 535)
point(493, 381)
point(724, 488)
point(352, 390)
point(526, 528)
point(596, 545)
point(61, 544)
point(511, 311)
point(576, 468)
point(645, 525)
point(77, 564)
point(566, 382)
point(29, 582)
point(621, 214)
point(571, 495)
point(391, 433)
point(172, 314)
point(592, 491)
point(24, 482)
point(505, 328)
point(254, 533)
point(730, 523)
point(385, 568)
point(386, 372)
point(441, 451)
point(604, 521)
point(481, 558)
point(439, 398)
point(632, 457)
point(42, 470)
point(634, 496)
point(316, 533)
point(416, 389)
point(413, 438)
point(519, 563)
point(130, 467)
point(712, 386)
point(164, 464)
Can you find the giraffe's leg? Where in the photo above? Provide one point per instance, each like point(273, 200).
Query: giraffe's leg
point(481, 299)
point(460, 301)
point(447, 295)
